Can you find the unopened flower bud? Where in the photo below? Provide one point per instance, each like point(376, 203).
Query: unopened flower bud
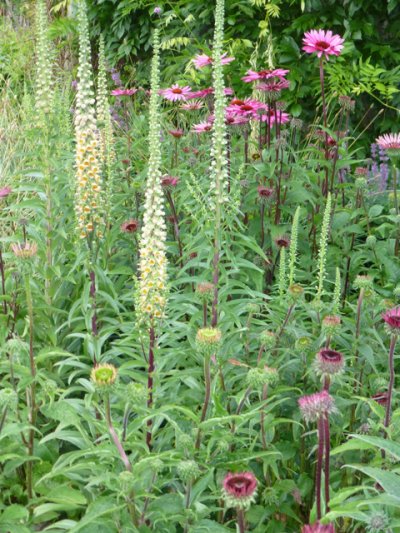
point(371, 241)
point(205, 289)
point(103, 375)
point(184, 442)
point(267, 339)
point(363, 282)
point(188, 470)
point(208, 340)
point(296, 291)
point(8, 398)
point(331, 324)
point(136, 393)
point(258, 377)
point(361, 183)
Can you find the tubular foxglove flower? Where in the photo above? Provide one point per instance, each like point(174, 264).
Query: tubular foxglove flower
point(153, 262)
point(89, 202)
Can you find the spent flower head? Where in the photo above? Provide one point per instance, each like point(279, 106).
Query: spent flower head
point(239, 489)
point(328, 362)
point(315, 406)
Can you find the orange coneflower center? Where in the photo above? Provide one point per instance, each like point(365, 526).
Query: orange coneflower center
point(177, 90)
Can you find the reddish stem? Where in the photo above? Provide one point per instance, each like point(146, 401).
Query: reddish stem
point(318, 474)
point(150, 372)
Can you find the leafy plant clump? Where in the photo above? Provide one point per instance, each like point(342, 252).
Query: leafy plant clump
point(199, 311)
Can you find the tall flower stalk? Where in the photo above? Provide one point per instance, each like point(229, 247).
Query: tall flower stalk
point(392, 320)
point(324, 44)
point(151, 293)
point(107, 150)
point(89, 199)
point(323, 247)
point(317, 408)
point(44, 97)
point(219, 164)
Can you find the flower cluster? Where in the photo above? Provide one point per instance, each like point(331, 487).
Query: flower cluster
point(153, 261)
point(88, 196)
point(44, 92)
point(219, 165)
point(103, 110)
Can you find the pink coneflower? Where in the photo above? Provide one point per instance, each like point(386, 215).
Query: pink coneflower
point(252, 75)
point(244, 107)
point(210, 90)
point(169, 181)
point(203, 60)
point(264, 113)
point(322, 42)
point(5, 191)
point(24, 250)
point(178, 133)
point(192, 106)
point(392, 319)
point(273, 86)
point(239, 489)
point(381, 397)
point(232, 119)
point(202, 127)
point(389, 142)
point(329, 362)
point(176, 93)
point(318, 528)
point(123, 92)
point(130, 226)
point(202, 93)
point(314, 406)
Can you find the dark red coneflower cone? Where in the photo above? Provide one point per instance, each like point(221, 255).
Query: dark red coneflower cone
point(130, 226)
